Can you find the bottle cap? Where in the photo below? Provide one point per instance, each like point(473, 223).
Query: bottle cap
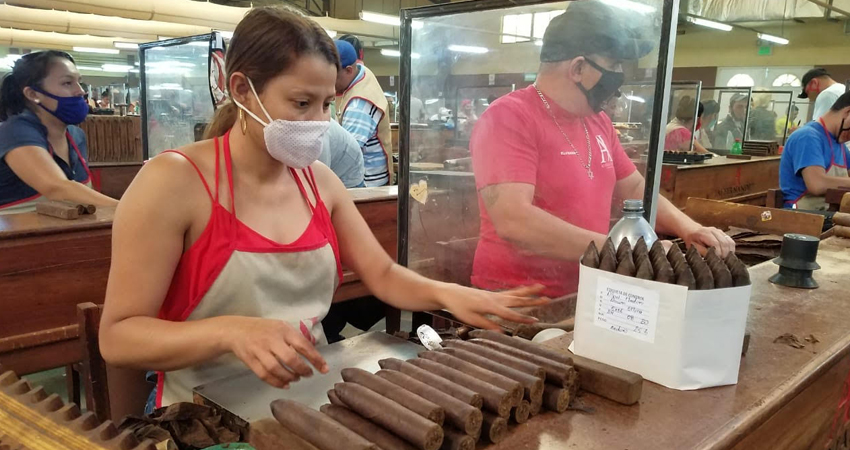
point(633, 205)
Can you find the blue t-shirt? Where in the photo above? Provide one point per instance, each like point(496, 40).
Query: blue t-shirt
point(810, 145)
point(26, 130)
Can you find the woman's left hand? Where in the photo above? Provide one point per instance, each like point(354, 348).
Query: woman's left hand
point(470, 305)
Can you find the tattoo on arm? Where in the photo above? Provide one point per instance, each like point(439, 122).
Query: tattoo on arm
point(490, 195)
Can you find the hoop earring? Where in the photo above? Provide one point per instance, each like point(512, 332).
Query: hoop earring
point(243, 124)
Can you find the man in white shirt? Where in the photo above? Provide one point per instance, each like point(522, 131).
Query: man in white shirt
point(819, 86)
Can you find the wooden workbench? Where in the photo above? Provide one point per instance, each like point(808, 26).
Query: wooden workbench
point(721, 178)
point(786, 398)
point(49, 265)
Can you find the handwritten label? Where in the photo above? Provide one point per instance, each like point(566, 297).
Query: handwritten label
point(626, 309)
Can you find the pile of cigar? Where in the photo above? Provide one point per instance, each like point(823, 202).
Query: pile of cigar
point(685, 269)
point(446, 399)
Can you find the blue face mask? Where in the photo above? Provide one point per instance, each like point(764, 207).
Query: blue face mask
point(70, 110)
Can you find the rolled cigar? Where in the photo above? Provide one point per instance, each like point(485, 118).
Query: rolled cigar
point(685, 277)
point(722, 275)
point(663, 270)
point(368, 430)
point(90, 209)
point(608, 260)
point(317, 428)
point(841, 218)
point(740, 274)
point(528, 331)
point(624, 250)
point(536, 406)
point(499, 357)
point(702, 274)
point(640, 250)
point(693, 256)
point(591, 256)
point(844, 206)
point(644, 269)
point(556, 373)
point(842, 231)
point(494, 427)
point(411, 401)
point(532, 385)
point(455, 440)
point(412, 427)
point(462, 415)
point(513, 387)
point(495, 398)
point(608, 246)
point(334, 398)
point(521, 412)
point(626, 265)
point(657, 249)
point(556, 398)
point(521, 344)
point(451, 388)
point(675, 255)
point(60, 210)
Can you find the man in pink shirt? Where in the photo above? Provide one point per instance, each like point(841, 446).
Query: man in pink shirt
point(548, 163)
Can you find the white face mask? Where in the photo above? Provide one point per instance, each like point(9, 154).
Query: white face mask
point(294, 143)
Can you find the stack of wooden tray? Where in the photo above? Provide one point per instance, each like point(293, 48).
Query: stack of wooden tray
point(761, 148)
point(673, 157)
point(113, 138)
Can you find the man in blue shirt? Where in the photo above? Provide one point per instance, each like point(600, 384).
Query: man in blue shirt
point(342, 154)
point(815, 159)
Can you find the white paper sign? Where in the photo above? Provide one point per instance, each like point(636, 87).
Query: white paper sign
point(491, 79)
point(626, 309)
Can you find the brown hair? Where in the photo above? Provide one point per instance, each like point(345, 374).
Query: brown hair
point(265, 44)
point(686, 109)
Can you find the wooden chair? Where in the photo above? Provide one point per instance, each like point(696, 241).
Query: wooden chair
point(129, 389)
point(775, 199)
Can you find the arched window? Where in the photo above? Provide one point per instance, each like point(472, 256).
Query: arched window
point(787, 79)
point(741, 80)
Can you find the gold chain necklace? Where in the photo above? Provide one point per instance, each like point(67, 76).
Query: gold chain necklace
point(586, 135)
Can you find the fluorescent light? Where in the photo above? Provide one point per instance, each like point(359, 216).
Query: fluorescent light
point(134, 70)
point(127, 45)
point(710, 24)
point(772, 38)
point(93, 69)
point(635, 98)
point(106, 51)
point(331, 33)
point(631, 6)
point(168, 64)
point(396, 53)
point(417, 24)
point(116, 68)
point(226, 34)
point(468, 49)
point(538, 43)
point(431, 101)
point(385, 19)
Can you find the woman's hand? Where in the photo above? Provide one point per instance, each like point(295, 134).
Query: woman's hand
point(470, 305)
point(273, 350)
point(707, 237)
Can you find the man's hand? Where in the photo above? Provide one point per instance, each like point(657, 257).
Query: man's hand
point(707, 237)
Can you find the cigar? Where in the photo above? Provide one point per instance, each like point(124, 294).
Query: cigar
point(663, 269)
point(522, 344)
point(60, 210)
point(366, 429)
point(591, 256)
point(609, 246)
point(640, 250)
point(841, 231)
point(685, 277)
point(495, 428)
point(513, 387)
point(556, 373)
point(317, 428)
point(462, 415)
point(676, 257)
point(624, 250)
point(608, 257)
point(702, 274)
point(740, 274)
point(693, 256)
point(90, 209)
point(841, 218)
point(626, 266)
point(528, 331)
point(451, 388)
point(455, 440)
point(521, 412)
point(536, 407)
point(495, 398)
point(412, 427)
point(498, 357)
point(556, 398)
point(532, 385)
point(413, 402)
point(657, 250)
point(722, 275)
point(644, 269)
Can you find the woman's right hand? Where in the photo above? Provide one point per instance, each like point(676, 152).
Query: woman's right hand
point(274, 350)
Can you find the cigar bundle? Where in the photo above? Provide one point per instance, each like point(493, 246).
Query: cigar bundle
point(690, 270)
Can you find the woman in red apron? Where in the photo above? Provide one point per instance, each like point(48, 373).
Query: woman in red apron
point(227, 252)
point(42, 152)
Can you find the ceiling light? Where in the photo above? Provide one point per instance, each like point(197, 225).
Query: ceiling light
point(126, 45)
point(226, 34)
point(431, 101)
point(385, 19)
point(710, 24)
point(631, 6)
point(167, 64)
point(396, 53)
point(106, 51)
point(93, 69)
point(331, 33)
point(468, 49)
point(116, 68)
point(635, 98)
point(200, 43)
point(772, 38)
point(416, 24)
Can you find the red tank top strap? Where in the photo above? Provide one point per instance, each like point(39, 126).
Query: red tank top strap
point(301, 188)
point(200, 175)
point(228, 166)
point(311, 179)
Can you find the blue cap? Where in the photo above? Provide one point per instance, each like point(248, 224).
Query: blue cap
point(347, 54)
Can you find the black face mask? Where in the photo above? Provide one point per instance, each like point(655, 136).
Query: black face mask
point(607, 86)
point(841, 129)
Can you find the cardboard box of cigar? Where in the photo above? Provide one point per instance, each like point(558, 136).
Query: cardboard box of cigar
point(678, 319)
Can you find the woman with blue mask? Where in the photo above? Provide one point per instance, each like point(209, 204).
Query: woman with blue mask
point(42, 151)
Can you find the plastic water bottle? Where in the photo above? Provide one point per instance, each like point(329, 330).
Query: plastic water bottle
point(633, 226)
point(736, 149)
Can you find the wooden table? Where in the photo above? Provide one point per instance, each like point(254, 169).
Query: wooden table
point(721, 178)
point(49, 265)
point(786, 398)
point(113, 178)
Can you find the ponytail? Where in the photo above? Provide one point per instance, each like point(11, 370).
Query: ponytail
point(30, 70)
point(12, 100)
point(224, 119)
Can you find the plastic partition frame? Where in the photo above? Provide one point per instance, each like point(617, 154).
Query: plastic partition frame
point(749, 92)
point(790, 94)
point(698, 86)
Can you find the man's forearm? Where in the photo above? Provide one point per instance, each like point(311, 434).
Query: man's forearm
point(670, 220)
point(536, 231)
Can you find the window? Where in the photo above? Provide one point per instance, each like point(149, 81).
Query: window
point(787, 79)
point(522, 27)
point(741, 80)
